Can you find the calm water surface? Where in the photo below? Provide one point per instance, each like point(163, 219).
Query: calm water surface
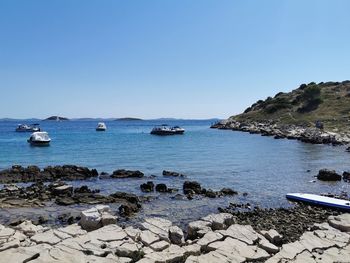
point(263, 167)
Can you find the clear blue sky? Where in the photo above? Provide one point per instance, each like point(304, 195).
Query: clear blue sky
point(164, 58)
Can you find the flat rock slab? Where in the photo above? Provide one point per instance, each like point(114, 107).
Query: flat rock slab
point(160, 245)
point(47, 237)
point(341, 222)
point(244, 233)
point(73, 230)
point(172, 254)
point(198, 226)
point(147, 237)
point(234, 247)
point(208, 238)
point(23, 254)
point(216, 257)
point(130, 250)
point(219, 221)
point(28, 228)
point(108, 233)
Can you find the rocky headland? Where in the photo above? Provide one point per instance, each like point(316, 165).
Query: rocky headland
point(313, 113)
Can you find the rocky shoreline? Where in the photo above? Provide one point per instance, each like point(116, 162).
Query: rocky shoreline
point(284, 131)
point(239, 233)
point(222, 237)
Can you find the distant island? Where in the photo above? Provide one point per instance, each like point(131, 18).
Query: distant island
point(56, 118)
point(128, 119)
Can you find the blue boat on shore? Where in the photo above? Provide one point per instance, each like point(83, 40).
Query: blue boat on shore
point(320, 200)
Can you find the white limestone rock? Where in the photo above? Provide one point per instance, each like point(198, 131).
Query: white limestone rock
point(130, 250)
point(133, 233)
point(28, 228)
point(244, 233)
point(219, 221)
point(108, 233)
point(47, 237)
point(158, 226)
point(176, 235)
point(341, 222)
point(160, 245)
point(103, 208)
point(208, 238)
point(198, 229)
point(192, 250)
point(233, 247)
point(273, 236)
point(72, 230)
point(172, 254)
point(147, 237)
point(108, 219)
point(90, 219)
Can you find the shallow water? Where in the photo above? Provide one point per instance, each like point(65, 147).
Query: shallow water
point(265, 168)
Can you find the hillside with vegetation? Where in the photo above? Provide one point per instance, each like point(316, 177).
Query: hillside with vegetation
point(327, 102)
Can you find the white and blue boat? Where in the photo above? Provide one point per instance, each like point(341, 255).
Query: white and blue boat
point(320, 200)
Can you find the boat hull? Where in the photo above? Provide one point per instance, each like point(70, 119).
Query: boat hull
point(163, 133)
point(27, 130)
point(320, 200)
point(100, 129)
point(39, 143)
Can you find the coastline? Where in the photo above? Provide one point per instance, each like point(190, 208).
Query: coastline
point(284, 131)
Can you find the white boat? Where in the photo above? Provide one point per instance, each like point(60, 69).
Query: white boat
point(27, 128)
point(165, 130)
point(39, 139)
point(320, 200)
point(101, 126)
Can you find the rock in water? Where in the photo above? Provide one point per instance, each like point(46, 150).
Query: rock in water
point(328, 175)
point(127, 174)
point(162, 188)
point(192, 186)
point(174, 174)
point(147, 187)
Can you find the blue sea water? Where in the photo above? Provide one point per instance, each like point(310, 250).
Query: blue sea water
point(263, 167)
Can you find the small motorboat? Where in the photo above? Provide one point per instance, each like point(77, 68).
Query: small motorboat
point(27, 128)
point(39, 139)
point(101, 126)
point(166, 130)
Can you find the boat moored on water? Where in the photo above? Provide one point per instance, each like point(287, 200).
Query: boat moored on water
point(166, 130)
point(101, 126)
point(39, 139)
point(28, 128)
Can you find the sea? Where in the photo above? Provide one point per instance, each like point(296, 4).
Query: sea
point(263, 167)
